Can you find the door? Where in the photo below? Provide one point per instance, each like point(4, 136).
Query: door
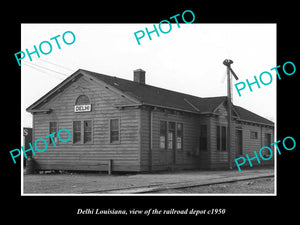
point(266, 153)
point(171, 145)
point(267, 139)
point(239, 142)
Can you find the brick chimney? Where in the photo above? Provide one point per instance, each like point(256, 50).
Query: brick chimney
point(139, 76)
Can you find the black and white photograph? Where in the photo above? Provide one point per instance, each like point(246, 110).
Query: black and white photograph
point(149, 117)
point(133, 111)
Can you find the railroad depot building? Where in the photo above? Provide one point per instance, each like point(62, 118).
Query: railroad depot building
point(139, 127)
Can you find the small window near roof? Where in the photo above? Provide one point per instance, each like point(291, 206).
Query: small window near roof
point(253, 135)
point(82, 100)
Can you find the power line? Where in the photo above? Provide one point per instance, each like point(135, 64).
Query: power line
point(45, 72)
point(56, 64)
point(47, 68)
point(35, 68)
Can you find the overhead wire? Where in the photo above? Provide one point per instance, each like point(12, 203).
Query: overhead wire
point(45, 68)
point(64, 67)
point(35, 68)
point(44, 72)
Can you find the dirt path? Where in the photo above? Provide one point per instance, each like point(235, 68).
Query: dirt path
point(89, 183)
point(253, 186)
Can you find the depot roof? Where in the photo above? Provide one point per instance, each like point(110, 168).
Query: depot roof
point(145, 94)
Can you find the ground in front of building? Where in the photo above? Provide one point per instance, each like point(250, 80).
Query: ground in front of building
point(94, 183)
point(259, 185)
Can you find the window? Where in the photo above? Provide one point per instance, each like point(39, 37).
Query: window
point(239, 142)
point(87, 131)
point(162, 134)
point(221, 138)
point(82, 100)
point(218, 138)
point(76, 131)
point(82, 132)
point(171, 134)
point(179, 136)
point(52, 129)
point(253, 135)
point(114, 131)
point(224, 139)
point(203, 138)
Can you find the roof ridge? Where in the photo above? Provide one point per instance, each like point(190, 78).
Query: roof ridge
point(149, 85)
point(157, 96)
point(150, 94)
point(152, 86)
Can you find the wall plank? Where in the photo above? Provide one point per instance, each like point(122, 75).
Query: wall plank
point(88, 156)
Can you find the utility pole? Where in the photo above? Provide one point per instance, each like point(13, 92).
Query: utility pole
point(228, 62)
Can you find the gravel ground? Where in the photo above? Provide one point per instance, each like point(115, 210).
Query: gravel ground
point(260, 185)
point(94, 182)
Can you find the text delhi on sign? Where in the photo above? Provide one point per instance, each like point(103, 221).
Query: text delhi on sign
point(82, 108)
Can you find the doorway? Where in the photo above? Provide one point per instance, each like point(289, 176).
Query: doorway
point(267, 139)
point(171, 157)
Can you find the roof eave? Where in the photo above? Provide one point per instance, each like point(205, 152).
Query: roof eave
point(250, 121)
point(72, 78)
point(169, 107)
point(41, 110)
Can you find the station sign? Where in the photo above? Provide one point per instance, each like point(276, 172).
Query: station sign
point(82, 108)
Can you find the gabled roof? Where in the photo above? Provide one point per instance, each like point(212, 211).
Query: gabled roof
point(249, 116)
point(146, 94)
point(151, 95)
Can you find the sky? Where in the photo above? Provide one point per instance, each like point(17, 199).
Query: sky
point(188, 59)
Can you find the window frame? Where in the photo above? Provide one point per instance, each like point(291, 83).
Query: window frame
point(110, 131)
point(181, 137)
point(53, 136)
point(224, 139)
point(221, 147)
point(82, 132)
point(164, 134)
point(253, 135)
point(218, 136)
point(203, 138)
point(87, 98)
point(169, 131)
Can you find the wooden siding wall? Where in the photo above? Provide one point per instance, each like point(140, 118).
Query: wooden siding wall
point(133, 151)
point(95, 156)
point(219, 159)
point(251, 145)
point(204, 156)
point(186, 158)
